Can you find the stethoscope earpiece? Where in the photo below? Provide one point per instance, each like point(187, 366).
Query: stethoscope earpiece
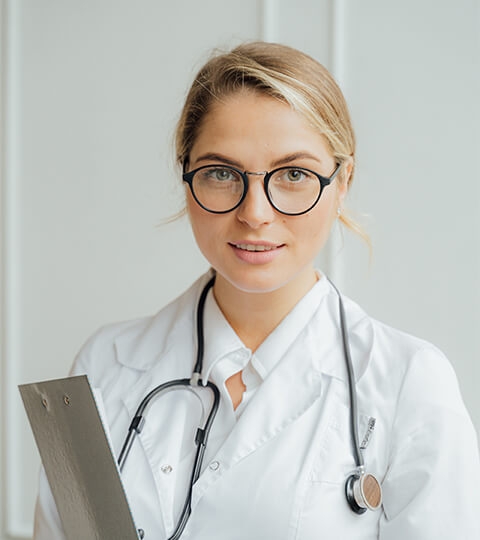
point(363, 491)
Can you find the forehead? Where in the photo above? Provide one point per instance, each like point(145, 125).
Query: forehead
point(247, 120)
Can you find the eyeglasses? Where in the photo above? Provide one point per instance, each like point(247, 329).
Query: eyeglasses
point(290, 190)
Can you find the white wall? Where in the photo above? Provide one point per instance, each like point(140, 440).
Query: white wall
point(91, 91)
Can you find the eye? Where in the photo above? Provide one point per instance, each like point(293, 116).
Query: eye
point(294, 175)
point(293, 179)
point(221, 174)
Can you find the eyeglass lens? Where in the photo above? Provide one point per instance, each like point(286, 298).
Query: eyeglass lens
point(291, 190)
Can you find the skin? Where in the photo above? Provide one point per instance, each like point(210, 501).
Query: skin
point(255, 130)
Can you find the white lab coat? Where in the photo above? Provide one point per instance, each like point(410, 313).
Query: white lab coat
point(280, 473)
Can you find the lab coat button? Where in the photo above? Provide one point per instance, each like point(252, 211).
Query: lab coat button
point(166, 469)
point(214, 465)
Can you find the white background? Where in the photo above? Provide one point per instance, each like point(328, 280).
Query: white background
point(90, 96)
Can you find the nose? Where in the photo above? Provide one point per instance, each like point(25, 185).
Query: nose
point(256, 209)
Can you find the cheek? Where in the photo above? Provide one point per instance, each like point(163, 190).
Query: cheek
point(205, 226)
point(197, 219)
point(316, 226)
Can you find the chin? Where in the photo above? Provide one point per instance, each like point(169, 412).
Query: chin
point(255, 280)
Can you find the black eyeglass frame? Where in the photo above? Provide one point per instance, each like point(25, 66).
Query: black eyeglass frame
point(324, 181)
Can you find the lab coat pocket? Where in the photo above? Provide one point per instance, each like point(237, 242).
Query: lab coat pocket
point(324, 510)
point(334, 460)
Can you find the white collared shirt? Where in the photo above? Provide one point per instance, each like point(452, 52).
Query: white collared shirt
point(225, 353)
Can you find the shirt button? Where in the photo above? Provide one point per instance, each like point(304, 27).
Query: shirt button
point(166, 469)
point(214, 465)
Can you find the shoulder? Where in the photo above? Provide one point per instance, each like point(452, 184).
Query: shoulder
point(431, 447)
point(423, 368)
point(138, 342)
point(411, 387)
point(419, 391)
point(402, 367)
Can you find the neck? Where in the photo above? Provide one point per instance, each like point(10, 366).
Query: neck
point(253, 315)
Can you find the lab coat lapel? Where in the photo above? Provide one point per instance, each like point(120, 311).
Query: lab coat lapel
point(171, 416)
point(288, 391)
point(149, 449)
point(285, 395)
point(164, 350)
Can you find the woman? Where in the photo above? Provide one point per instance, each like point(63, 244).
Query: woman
point(280, 450)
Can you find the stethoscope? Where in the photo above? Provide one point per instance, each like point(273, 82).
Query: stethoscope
point(362, 490)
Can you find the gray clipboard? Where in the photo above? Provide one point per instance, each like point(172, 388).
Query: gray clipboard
point(80, 467)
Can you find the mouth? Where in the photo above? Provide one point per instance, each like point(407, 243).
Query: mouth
point(257, 247)
point(260, 253)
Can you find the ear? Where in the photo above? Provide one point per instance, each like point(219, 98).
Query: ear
point(346, 173)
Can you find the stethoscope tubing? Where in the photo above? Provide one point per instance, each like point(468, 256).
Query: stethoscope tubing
point(351, 378)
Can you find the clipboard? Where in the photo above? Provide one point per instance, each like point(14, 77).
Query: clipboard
point(78, 460)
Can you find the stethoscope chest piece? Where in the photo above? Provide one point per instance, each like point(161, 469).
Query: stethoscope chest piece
point(363, 492)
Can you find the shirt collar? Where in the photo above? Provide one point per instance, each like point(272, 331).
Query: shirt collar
point(140, 343)
point(222, 341)
point(279, 340)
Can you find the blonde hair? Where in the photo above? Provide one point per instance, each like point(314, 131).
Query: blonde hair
point(283, 73)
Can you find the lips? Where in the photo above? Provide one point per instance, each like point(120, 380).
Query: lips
point(252, 256)
point(255, 245)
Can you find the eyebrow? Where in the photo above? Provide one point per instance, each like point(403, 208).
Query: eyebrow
point(285, 159)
